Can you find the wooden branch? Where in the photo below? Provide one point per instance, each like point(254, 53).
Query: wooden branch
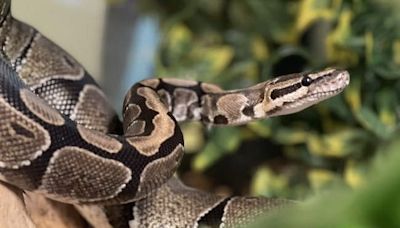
point(29, 210)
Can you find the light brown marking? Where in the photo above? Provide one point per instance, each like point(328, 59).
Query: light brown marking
point(100, 140)
point(259, 111)
point(184, 99)
point(152, 100)
point(149, 145)
point(159, 171)
point(231, 106)
point(164, 126)
point(322, 73)
point(92, 110)
point(272, 107)
point(180, 82)
point(153, 83)
point(21, 139)
point(211, 88)
point(45, 61)
point(19, 37)
point(77, 175)
point(209, 109)
point(40, 108)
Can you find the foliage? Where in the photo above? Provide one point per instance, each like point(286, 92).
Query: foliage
point(374, 205)
point(237, 43)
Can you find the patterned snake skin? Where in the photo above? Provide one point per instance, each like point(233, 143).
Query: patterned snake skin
point(60, 137)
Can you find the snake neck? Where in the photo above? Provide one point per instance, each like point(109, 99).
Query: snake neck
point(234, 107)
point(186, 100)
point(189, 100)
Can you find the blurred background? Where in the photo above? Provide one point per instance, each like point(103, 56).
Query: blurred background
point(235, 44)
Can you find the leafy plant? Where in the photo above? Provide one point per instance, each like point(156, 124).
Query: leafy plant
point(237, 43)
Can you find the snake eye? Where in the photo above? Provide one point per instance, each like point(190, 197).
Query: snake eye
point(306, 81)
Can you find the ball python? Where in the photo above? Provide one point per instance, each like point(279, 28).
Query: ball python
point(60, 137)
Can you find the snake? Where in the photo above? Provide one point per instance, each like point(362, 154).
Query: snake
point(60, 137)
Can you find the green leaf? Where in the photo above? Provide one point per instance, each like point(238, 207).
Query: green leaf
point(377, 204)
point(290, 136)
point(207, 157)
point(371, 121)
point(267, 183)
point(223, 140)
point(340, 143)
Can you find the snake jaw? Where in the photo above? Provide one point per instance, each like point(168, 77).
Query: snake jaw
point(329, 85)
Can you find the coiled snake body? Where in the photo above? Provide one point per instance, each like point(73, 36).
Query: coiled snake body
point(59, 136)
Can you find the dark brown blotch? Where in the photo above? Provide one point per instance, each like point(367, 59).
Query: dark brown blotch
point(248, 111)
point(213, 218)
point(21, 130)
point(220, 119)
point(204, 119)
point(276, 93)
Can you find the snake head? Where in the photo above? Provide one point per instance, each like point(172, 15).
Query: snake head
point(295, 92)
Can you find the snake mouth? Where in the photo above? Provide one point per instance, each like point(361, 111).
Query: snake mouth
point(330, 85)
point(324, 95)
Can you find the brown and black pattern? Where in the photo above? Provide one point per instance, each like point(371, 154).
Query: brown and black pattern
point(40, 108)
point(92, 110)
point(54, 139)
point(22, 139)
point(70, 168)
point(31, 129)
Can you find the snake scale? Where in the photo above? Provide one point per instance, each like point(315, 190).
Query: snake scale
point(60, 137)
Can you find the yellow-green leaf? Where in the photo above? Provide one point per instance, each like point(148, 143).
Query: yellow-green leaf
point(194, 139)
point(207, 157)
point(218, 57)
point(266, 183)
point(352, 94)
point(311, 10)
point(369, 120)
point(396, 52)
point(320, 178)
point(337, 144)
point(337, 51)
point(262, 128)
point(354, 174)
point(259, 49)
point(290, 136)
point(177, 35)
